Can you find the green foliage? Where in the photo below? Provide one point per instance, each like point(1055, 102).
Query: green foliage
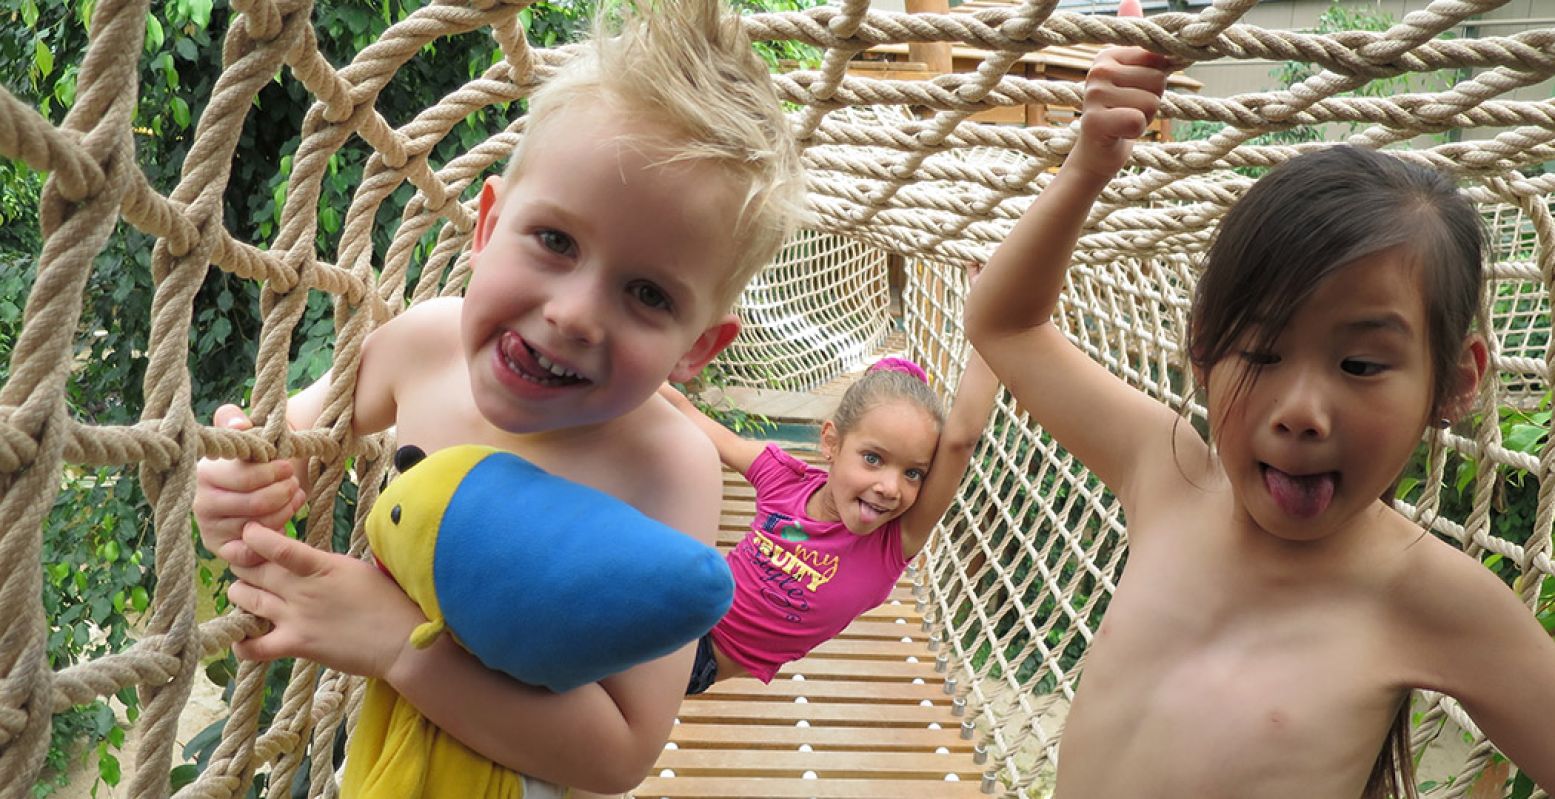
point(1514, 503)
point(98, 581)
point(740, 421)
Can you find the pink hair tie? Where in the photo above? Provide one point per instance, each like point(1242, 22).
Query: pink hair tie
point(899, 365)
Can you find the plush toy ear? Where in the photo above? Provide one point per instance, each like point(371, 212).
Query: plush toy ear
point(408, 456)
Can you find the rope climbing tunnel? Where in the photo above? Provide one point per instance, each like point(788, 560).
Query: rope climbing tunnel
point(904, 179)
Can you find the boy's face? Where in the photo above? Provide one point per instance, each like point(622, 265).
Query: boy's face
point(595, 278)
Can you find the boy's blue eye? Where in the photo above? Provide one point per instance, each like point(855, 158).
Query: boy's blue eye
point(1361, 368)
point(915, 474)
point(1260, 358)
point(555, 241)
point(872, 459)
point(650, 295)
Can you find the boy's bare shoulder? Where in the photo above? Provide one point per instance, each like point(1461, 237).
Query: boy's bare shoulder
point(676, 465)
point(401, 352)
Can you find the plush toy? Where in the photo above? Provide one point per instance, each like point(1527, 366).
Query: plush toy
point(551, 582)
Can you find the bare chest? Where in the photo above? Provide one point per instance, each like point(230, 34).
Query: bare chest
point(1196, 687)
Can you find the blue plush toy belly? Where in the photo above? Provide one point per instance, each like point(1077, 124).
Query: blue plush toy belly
point(551, 582)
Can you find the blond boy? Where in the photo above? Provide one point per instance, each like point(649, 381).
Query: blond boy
point(656, 176)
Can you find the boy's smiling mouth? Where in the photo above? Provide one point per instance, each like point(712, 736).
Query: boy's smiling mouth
point(1303, 496)
point(532, 365)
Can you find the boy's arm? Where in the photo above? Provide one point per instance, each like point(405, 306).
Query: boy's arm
point(736, 452)
point(1010, 309)
point(231, 493)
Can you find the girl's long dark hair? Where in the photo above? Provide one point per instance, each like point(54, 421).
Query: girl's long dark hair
point(1318, 213)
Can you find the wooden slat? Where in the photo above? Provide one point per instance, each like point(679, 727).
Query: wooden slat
point(831, 691)
point(758, 788)
point(826, 765)
point(772, 736)
point(814, 713)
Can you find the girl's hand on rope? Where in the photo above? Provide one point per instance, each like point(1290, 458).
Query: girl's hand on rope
point(1122, 93)
point(323, 606)
point(232, 493)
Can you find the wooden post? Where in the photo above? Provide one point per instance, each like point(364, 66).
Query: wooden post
point(934, 54)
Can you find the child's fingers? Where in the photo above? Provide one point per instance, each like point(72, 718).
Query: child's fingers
point(1135, 57)
point(263, 648)
point(237, 554)
point(231, 417)
point(293, 556)
point(1130, 8)
point(236, 475)
point(254, 599)
point(1115, 124)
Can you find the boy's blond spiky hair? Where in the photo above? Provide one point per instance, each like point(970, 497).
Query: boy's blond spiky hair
point(687, 70)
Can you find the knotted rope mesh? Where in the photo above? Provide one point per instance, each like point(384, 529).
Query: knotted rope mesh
point(1032, 550)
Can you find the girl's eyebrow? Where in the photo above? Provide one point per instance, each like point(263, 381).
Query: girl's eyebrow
point(1387, 322)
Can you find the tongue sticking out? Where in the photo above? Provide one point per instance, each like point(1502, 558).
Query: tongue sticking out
point(1303, 496)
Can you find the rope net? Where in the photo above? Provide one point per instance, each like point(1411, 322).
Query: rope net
point(1030, 553)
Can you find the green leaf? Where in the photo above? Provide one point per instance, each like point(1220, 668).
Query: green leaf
point(107, 765)
point(183, 775)
point(186, 49)
point(199, 13)
point(154, 34)
point(1523, 438)
point(30, 13)
point(42, 58)
point(169, 70)
point(221, 329)
point(180, 111)
point(139, 599)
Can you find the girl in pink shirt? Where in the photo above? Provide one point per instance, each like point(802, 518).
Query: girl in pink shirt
point(826, 545)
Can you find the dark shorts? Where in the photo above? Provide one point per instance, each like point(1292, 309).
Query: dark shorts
point(704, 672)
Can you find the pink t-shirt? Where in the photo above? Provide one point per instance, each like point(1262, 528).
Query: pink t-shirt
point(797, 581)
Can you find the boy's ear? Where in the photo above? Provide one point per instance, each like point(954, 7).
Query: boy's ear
point(486, 217)
point(1467, 373)
point(706, 347)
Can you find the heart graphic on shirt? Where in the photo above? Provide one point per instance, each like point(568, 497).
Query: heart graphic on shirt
point(794, 532)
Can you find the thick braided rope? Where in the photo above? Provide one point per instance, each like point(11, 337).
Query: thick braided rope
point(1034, 546)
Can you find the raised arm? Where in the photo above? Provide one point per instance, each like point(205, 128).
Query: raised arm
point(1009, 314)
point(964, 427)
point(736, 452)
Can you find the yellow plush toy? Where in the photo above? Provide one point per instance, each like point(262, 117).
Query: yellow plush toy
point(551, 582)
